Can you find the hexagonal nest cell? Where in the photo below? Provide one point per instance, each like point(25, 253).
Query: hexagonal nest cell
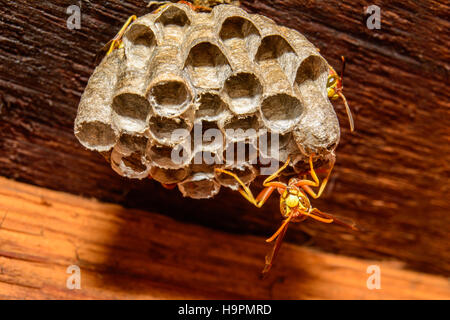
point(187, 84)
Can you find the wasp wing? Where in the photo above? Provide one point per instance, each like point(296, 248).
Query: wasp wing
point(270, 258)
point(102, 52)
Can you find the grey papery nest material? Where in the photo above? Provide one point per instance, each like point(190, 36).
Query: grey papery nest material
point(227, 69)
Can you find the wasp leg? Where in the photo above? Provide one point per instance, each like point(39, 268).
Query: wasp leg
point(116, 42)
point(273, 254)
point(276, 174)
point(280, 229)
point(265, 193)
point(247, 193)
point(306, 184)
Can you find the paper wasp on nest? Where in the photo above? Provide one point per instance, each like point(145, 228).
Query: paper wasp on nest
point(295, 205)
point(245, 71)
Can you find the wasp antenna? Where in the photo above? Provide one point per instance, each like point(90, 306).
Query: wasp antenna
point(349, 112)
point(342, 71)
point(270, 258)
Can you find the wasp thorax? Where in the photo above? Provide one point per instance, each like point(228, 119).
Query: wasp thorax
point(227, 69)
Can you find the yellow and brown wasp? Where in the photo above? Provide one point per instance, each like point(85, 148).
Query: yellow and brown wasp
point(335, 86)
point(295, 205)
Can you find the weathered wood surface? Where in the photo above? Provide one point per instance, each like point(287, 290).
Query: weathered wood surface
point(391, 176)
point(124, 253)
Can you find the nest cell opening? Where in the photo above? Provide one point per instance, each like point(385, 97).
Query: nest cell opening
point(241, 128)
point(168, 176)
point(141, 43)
point(96, 135)
point(203, 161)
point(162, 155)
point(237, 153)
point(211, 135)
point(238, 29)
point(173, 21)
point(244, 91)
point(169, 130)
point(267, 143)
point(207, 66)
point(170, 97)
point(312, 68)
point(134, 162)
point(201, 188)
point(129, 143)
point(275, 49)
point(211, 107)
point(246, 174)
point(131, 106)
point(281, 112)
point(173, 16)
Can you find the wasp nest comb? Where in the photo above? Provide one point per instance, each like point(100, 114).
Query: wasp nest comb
point(187, 89)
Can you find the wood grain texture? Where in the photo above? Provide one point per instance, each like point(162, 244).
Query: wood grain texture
point(391, 176)
point(125, 253)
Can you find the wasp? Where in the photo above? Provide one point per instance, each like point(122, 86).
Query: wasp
point(335, 86)
point(295, 205)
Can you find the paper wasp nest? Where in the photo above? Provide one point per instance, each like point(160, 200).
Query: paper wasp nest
point(180, 69)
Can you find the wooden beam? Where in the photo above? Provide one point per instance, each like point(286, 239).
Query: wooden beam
point(391, 176)
point(125, 253)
